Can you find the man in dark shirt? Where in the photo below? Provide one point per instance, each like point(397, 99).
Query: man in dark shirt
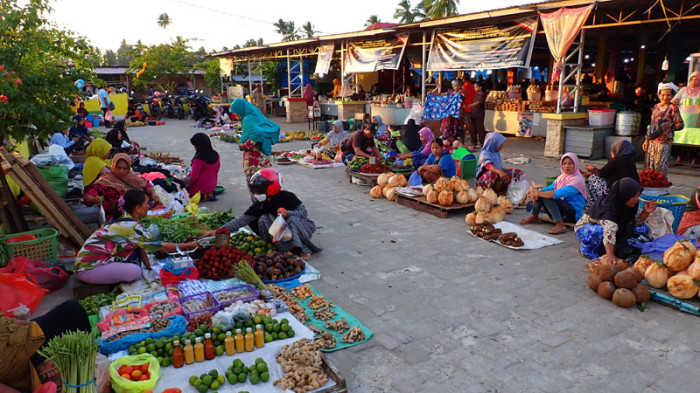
point(361, 144)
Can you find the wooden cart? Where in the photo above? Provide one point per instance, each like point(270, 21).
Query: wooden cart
point(420, 203)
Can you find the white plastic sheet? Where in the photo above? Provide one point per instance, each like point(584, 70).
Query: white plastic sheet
point(532, 240)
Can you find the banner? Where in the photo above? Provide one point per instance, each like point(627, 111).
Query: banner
point(225, 66)
point(561, 28)
point(325, 55)
point(375, 55)
point(507, 44)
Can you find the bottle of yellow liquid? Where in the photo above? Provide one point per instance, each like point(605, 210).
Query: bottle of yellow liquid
point(229, 345)
point(240, 345)
point(249, 340)
point(198, 350)
point(259, 336)
point(188, 352)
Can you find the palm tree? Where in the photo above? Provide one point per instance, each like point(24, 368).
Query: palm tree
point(308, 29)
point(292, 33)
point(442, 9)
point(281, 26)
point(372, 20)
point(164, 20)
point(403, 13)
point(421, 10)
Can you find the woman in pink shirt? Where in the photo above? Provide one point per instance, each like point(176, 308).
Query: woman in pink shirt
point(205, 168)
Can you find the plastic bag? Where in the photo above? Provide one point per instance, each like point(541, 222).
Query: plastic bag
point(57, 177)
point(123, 385)
point(279, 230)
point(19, 289)
point(517, 190)
point(171, 277)
point(178, 325)
point(102, 377)
point(109, 116)
point(415, 179)
point(49, 277)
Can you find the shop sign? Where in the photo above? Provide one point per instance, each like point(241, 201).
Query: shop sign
point(325, 55)
point(375, 55)
point(225, 66)
point(503, 45)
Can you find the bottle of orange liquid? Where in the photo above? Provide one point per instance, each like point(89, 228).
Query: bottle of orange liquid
point(209, 351)
point(189, 352)
point(178, 358)
point(229, 344)
point(198, 350)
point(240, 345)
point(249, 340)
point(259, 336)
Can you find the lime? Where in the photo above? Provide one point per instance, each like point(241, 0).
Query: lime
point(261, 367)
point(284, 320)
point(149, 341)
point(155, 354)
point(284, 327)
point(207, 380)
point(202, 376)
point(166, 362)
point(267, 320)
point(141, 350)
point(268, 337)
point(199, 333)
point(242, 377)
point(244, 370)
point(197, 382)
point(204, 328)
point(282, 335)
point(192, 379)
point(257, 319)
point(169, 347)
point(215, 385)
point(237, 370)
point(214, 373)
point(254, 379)
point(274, 336)
point(232, 378)
point(222, 337)
point(265, 376)
point(268, 327)
point(150, 347)
point(248, 323)
point(221, 379)
point(239, 325)
point(219, 350)
point(216, 330)
point(203, 388)
point(259, 360)
point(237, 363)
point(290, 332)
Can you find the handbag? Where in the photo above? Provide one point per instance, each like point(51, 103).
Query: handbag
point(654, 129)
point(111, 106)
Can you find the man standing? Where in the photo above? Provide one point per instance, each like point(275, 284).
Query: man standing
point(469, 94)
point(103, 96)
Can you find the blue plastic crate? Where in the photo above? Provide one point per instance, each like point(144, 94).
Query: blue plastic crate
point(675, 203)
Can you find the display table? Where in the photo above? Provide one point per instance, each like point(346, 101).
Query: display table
point(342, 109)
point(687, 137)
point(509, 122)
point(391, 115)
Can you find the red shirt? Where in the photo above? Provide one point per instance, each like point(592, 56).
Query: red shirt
point(469, 93)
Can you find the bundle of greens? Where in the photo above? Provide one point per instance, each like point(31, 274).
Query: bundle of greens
point(93, 304)
point(245, 273)
point(175, 230)
point(217, 219)
point(74, 354)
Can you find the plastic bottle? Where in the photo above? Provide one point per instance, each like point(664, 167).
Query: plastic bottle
point(208, 347)
point(229, 344)
point(259, 336)
point(240, 345)
point(189, 352)
point(178, 358)
point(198, 350)
point(249, 340)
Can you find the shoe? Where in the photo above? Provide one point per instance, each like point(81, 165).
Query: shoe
point(211, 199)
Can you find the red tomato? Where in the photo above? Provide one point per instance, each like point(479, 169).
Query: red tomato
point(144, 377)
point(126, 376)
point(144, 368)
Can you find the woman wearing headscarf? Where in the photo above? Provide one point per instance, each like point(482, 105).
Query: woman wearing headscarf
point(309, 94)
point(96, 162)
point(337, 88)
point(689, 226)
point(621, 164)
point(334, 138)
point(81, 132)
point(665, 120)
point(381, 127)
point(606, 226)
point(258, 99)
point(410, 141)
point(119, 139)
point(419, 155)
point(205, 168)
point(489, 169)
point(562, 200)
point(690, 91)
point(258, 134)
point(112, 184)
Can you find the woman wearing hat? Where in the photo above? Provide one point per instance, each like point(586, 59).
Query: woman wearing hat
point(665, 120)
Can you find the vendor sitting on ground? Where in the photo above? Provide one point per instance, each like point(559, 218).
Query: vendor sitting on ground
point(382, 129)
point(266, 185)
point(421, 154)
point(96, 161)
point(81, 110)
point(120, 141)
point(113, 253)
point(562, 200)
point(489, 170)
point(689, 226)
point(82, 132)
point(62, 139)
point(334, 137)
point(621, 164)
point(205, 168)
point(410, 140)
point(605, 227)
point(361, 144)
point(437, 158)
point(112, 184)
point(21, 367)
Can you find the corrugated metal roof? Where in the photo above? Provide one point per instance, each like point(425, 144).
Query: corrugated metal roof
point(111, 70)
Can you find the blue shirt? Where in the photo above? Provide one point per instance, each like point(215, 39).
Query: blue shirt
point(101, 95)
point(571, 196)
point(60, 139)
point(446, 163)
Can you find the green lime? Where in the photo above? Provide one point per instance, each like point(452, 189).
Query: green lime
point(219, 350)
point(284, 320)
point(232, 379)
point(222, 337)
point(254, 379)
point(203, 388)
point(214, 385)
point(267, 320)
point(192, 379)
point(242, 377)
point(149, 341)
point(150, 347)
point(202, 376)
point(166, 362)
point(248, 323)
point(239, 325)
point(244, 370)
point(199, 332)
point(282, 335)
point(274, 336)
point(221, 379)
point(261, 367)
point(207, 380)
point(237, 370)
point(214, 373)
point(197, 382)
point(265, 376)
point(290, 332)
point(155, 354)
point(204, 328)
point(169, 347)
point(284, 327)
point(276, 328)
point(216, 330)
point(268, 337)
point(259, 360)
point(237, 363)
point(268, 327)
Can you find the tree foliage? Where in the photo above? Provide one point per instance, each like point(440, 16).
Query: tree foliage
point(403, 12)
point(288, 30)
point(39, 65)
point(212, 73)
point(110, 58)
point(372, 20)
point(436, 9)
point(309, 29)
point(164, 20)
point(124, 54)
point(163, 64)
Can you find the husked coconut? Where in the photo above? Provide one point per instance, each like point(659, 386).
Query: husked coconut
point(391, 194)
point(386, 189)
point(432, 196)
point(445, 198)
point(383, 179)
point(682, 286)
point(402, 181)
point(394, 181)
point(462, 197)
point(679, 255)
point(491, 196)
point(643, 262)
point(427, 189)
point(470, 219)
point(498, 214)
point(441, 184)
point(479, 191)
point(483, 217)
point(482, 204)
point(472, 195)
point(376, 191)
point(505, 203)
point(656, 275)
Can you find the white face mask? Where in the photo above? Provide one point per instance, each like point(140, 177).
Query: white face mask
point(260, 197)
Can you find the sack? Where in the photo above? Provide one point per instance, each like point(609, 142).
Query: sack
point(111, 106)
point(279, 230)
point(171, 277)
point(518, 190)
point(19, 289)
point(57, 177)
point(109, 116)
point(123, 385)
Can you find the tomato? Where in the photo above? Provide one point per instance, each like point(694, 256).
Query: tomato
point(136, 374)
point(144, 368)
point(144, 377)
point(126, 376)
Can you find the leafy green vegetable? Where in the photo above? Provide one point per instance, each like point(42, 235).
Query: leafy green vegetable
point(175, 230)
point(217, 219)
point(92, 304)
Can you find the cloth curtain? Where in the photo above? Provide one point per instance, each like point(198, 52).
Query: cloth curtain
point(561, 28)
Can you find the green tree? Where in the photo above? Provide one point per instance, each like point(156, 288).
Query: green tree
point(403, 13)
point(371, 20)
point(201, 51)
point(164, 64)
point(309, 29)
point(212, 73)
point(441, 8)
point(421, 10)
point(164, 20)
point(281, 26)
point(124, 54)
point(260, 41)
point(110, 58)
point(39, 65)
point(250, 42)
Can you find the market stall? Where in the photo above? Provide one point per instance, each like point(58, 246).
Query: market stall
point(394, 114)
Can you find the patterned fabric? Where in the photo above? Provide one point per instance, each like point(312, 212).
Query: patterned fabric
point(438, 107)
point(668, 120)
point(253, 158)
point(110, 198)
point(491, 180)
point(609, 228)
point(597, 188)
point(658, 155)
point(451, 127)
point(591, 237)
point(115, 242)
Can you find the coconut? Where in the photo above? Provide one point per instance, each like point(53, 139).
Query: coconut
point(482, 204)
point(606, 289)
point(682, 286)
point(479, 191)
point(621, 265)
point(623, 297)
point(656, 275)
point(643, 262)
point(498, 214)
point(472, 195)
point(626, 279)
point(505, 203)
point(445, 198)
point(491, 196)
point(641, 292)
point(694, 268)
point(470, 219)
point(432, 196)
point(679, 255)
point(394, 181)
point(462, 197)
point(383, 179)
point(376, 191)
point(427, 189)
point(606, 272)
point(441, 184)
point(402, 181)
point(594, 281)
point(391, 194)
point(386, 189)
point(483, 217)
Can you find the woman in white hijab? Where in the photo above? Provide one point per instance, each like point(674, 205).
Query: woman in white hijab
point(665, 120)
point(334, 138)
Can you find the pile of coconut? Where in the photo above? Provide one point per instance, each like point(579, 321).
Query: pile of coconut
point(488, 207)
point(386, 186)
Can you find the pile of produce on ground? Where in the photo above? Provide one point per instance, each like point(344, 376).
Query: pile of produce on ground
point(386, 184)
point(217, 262)
point(487, 231)
point(679, 273)
point(620, 283)
point(163, 158)
point(301, 136)
point(277, 265)
point(217, 219)
point(251, 243)
point(176, 230)
point(92, 304)
point(229, 138)
point(374, 168)
point(302, 365)
point(488, 207)
point(652, 178)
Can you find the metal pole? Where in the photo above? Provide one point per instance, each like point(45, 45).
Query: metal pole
point(289, 78)
point(578, 72)
point(561, 84)
point(262, 83)
point(424, 72)
point(342, 69)
point(301, 72)
point(250, 79)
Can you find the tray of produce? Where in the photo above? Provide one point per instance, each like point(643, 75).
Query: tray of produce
point(251, 243)
point(199, 305)
point(243, 293)
point(374, 169)
point(277, 267)
point(216, 262)
point(357, 163)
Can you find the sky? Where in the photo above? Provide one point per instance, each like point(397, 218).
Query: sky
point(218, 23)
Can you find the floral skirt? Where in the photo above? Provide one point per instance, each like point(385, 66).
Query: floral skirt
point(491, 180)
point(597, 188)
point(658, 156)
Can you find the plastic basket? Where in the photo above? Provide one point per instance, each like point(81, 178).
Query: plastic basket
point(601, 117)
point(675, 203)
point(549, 180)
point(41, 249)
point(200, 296)
point(245, 293)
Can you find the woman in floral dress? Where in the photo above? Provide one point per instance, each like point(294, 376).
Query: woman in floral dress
point(665, 120)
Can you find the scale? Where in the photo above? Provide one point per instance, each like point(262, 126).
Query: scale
point(179, 259)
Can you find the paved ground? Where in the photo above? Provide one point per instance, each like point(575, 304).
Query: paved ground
point(452, 313)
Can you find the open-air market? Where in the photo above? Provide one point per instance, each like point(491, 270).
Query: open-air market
point(446, 199)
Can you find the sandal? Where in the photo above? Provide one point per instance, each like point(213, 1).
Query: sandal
point(529, 220)
point(558, 231)
point(305, 256)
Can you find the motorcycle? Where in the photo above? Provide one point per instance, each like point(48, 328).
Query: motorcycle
point(199, 106)
point(167, 107)
point(178, 108)
point(154, 106)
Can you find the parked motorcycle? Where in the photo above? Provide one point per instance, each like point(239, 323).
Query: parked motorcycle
point(167, 106)
point(178, 108)
point(199, 106)
point(154, 106)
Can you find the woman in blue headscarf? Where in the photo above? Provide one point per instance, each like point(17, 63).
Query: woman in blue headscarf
point(258, 134)
point(381, 127)
point(489, 171)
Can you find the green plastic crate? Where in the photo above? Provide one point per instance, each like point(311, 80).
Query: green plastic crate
point(42, 249)
point(468, 166)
